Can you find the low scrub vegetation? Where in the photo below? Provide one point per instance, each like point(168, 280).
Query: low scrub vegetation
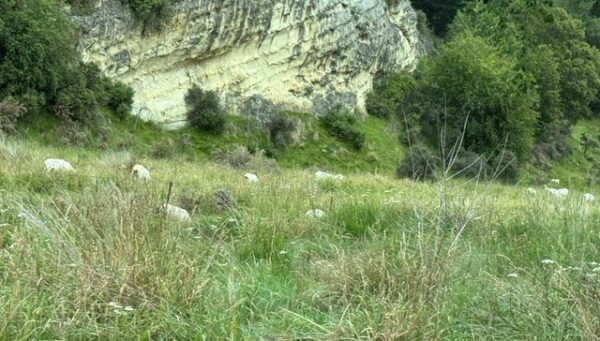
point(204, 111)
point(341, 124)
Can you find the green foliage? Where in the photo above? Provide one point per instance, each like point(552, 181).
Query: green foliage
point(469, 165)
point(280, 128)
point(551, 48)
point(588, 143)
point(475, 83)
point(120, 99)
point(388, 92)
point(36, 48)
point(506, 166)
point(153, 14)
point(505, 85)
point(341, 124)
point(418, 164)
point(439, 12)
point(39, 66)
point(204, 112)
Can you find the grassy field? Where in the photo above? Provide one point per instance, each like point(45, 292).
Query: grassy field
point(90, 255)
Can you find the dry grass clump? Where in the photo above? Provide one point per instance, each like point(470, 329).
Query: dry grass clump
point(237, 156)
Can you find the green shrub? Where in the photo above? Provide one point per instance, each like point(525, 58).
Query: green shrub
point(388, 92)
point(280, 129)
point(153, 14)
point(341, 124)
point(164, 149)
point(77, 104)
point(475, 83)
point(470, 165)
point(39, 65)
point(550, 50)
point(418, 164)
point(204, 112)
point(506, 166)
point(120, 99)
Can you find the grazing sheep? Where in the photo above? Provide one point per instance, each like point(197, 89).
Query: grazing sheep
point(531, 191)
point(325, 175)
point(140, 172)
point(57, 165)
point(555, 181)
point(251, 177)
point(315, 213)
point(558, 193)
point(177, 213)
point(588, 197)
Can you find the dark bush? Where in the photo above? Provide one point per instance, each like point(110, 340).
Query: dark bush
point(280, 129)
point(470, 165)
point(224, 200)
point(235, 156)
point(204, 112)
point(505, 166)
point(120, 99)
point(418, 164)
point(341, 124)
point(11, 110)
point(76, 104)
point(39, 66)
point(163, 149)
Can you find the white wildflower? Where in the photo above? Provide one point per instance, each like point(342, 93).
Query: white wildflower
point(512, 274)
point(547, 261)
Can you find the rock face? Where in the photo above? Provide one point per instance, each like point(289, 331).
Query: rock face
point(304, 55)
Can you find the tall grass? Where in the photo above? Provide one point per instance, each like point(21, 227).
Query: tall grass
point(90, 255)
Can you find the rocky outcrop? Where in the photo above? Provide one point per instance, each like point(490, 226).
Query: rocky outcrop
point(305, 55)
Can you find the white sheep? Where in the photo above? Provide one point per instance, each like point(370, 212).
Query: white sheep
point(251, 177)
point(588, 197)
point(555, 181)
point(140, 172)
point(177, 213)
point(315, 213)
point(531, 191)
point(558, 193)
point(57, 165)
point(325, 175)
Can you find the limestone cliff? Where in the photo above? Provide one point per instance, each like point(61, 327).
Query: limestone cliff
point(303, 54)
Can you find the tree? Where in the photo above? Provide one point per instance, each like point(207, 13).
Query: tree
point(36, 48)
point(204, 111)
point(480, 85)
point(551, 47)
